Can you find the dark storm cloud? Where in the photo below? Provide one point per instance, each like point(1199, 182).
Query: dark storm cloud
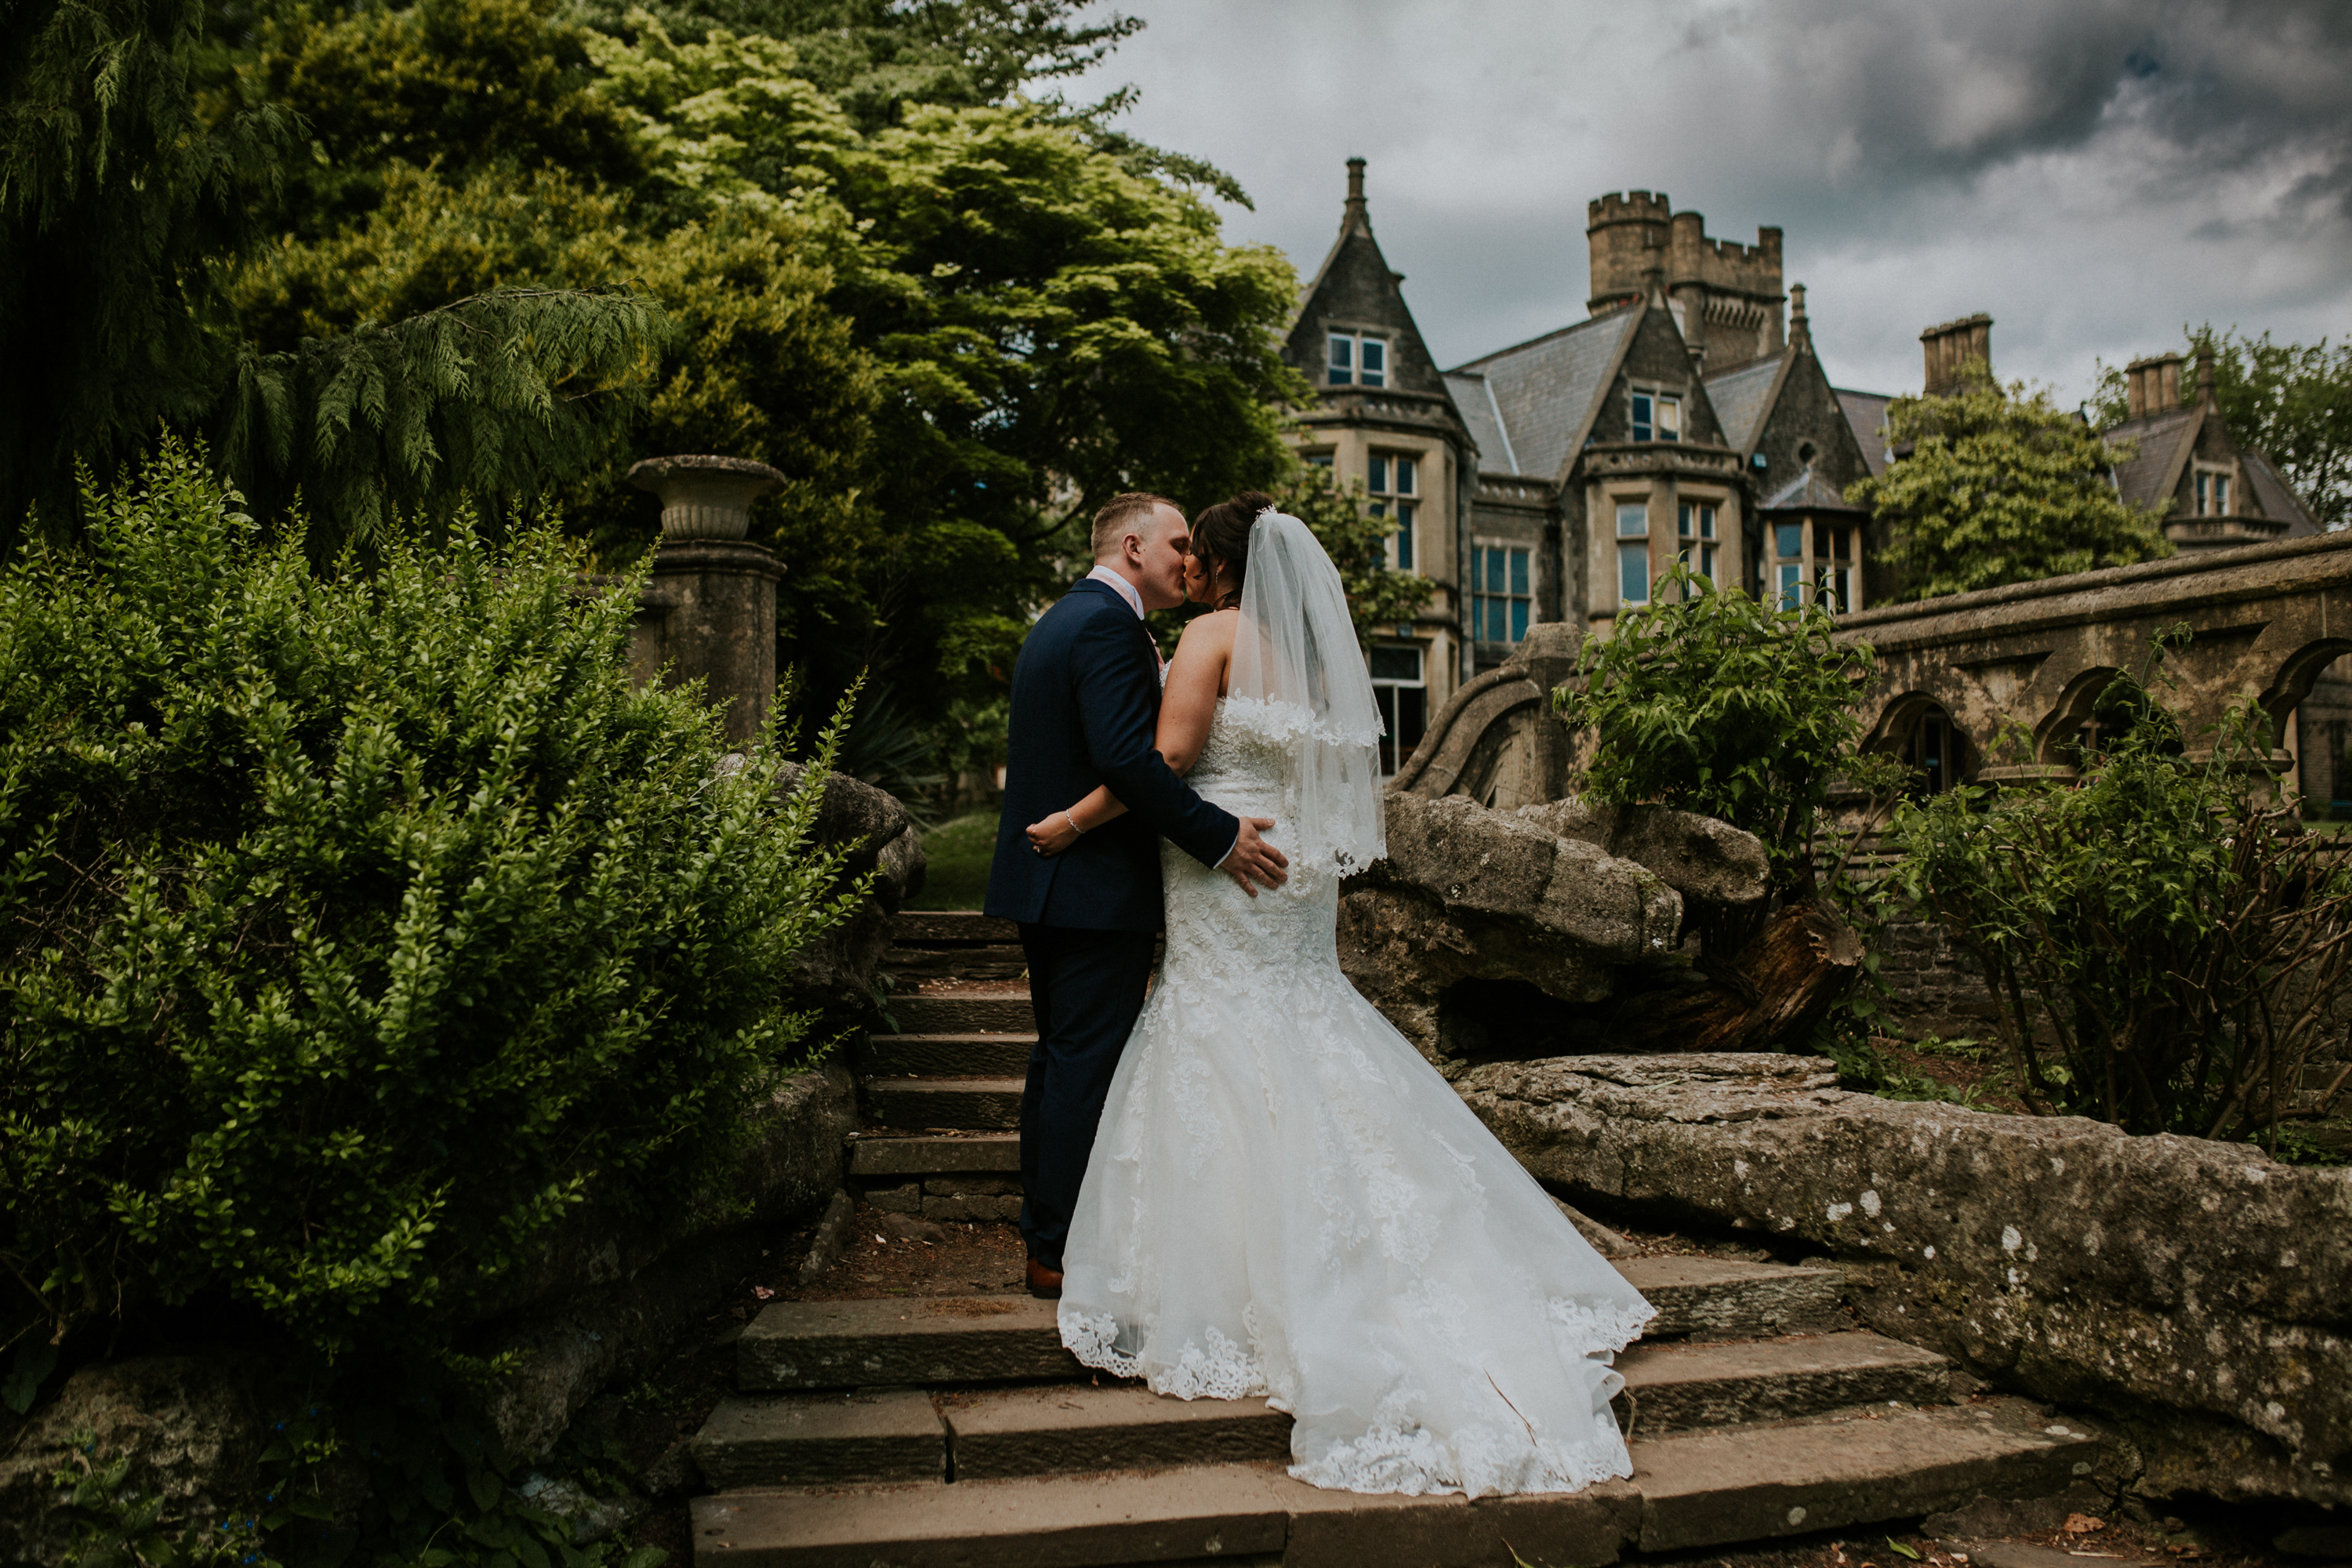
point(2093, 174)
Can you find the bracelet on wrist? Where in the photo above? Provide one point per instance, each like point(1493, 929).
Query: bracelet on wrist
point(1074, 824)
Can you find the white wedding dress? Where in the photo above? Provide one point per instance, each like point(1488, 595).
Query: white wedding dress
point(1286, 1199)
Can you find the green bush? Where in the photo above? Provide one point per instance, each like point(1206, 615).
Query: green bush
point(2162, 940)
point(354, 924)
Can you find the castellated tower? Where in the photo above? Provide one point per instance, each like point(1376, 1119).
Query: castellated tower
point(1727, 296)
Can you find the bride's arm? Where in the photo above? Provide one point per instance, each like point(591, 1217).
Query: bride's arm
point(1187, 707)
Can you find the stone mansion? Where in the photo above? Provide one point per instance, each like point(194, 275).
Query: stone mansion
point(1686, 418)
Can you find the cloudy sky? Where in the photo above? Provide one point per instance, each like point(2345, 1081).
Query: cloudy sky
point(2094, 173)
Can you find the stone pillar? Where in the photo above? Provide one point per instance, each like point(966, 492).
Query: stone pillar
point(708, 611)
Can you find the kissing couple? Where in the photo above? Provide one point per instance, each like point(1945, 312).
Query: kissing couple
point(1251, 1183)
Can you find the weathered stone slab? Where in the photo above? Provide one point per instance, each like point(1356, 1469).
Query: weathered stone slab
point(1672, 1387)
point(945, 1056)
point(900, 1341)
point(983, 1104)
point(806, 1439)
point(1749, 1483)
point(1720, 1298)
point(1076, 1426)
point(2186, 1287)
point(919, 1155)
point(1697, 857)
point(962, 1012)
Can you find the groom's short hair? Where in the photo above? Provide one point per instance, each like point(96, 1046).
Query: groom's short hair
point(1120, 514)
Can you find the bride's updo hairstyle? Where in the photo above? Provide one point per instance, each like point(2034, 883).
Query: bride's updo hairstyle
point(1222, 533)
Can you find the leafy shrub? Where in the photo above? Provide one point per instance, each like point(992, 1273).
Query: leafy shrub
point(2162, 940)
point(1716, 703)
point(354, 924)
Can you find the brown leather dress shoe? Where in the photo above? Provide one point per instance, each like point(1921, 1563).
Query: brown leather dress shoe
point(1044, 1283)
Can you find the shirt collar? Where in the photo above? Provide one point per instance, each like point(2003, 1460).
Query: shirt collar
point(1126, 589)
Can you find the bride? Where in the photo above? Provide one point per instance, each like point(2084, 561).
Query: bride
point(1284, 1198)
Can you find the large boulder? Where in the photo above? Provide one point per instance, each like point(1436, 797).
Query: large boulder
point(1467, 893)
point(836, 974)
point(2198, 1294)
point(1705, 861)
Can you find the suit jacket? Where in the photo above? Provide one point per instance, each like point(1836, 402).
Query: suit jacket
point(1085, 704)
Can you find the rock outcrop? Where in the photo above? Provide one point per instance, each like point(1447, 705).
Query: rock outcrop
point(1703, 859)
point(2198, 1294)
point(1467, 893)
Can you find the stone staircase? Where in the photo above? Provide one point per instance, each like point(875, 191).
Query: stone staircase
point(955, 1430)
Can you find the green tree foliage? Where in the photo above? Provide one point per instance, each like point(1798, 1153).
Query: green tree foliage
point(2290, 402)
point(1713, 702)
point(355, 925)
point(2163, 944)
point(1999, 486)
point(120, 204)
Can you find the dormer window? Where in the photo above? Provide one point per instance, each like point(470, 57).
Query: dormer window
point(2212, 493)
point(1657, 417)
point(1359, 361)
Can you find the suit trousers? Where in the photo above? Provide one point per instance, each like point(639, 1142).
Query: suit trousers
point(1087, 988)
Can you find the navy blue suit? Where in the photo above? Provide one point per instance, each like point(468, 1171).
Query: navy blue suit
point(1086, 707)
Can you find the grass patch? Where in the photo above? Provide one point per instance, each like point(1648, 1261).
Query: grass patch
point(956, 856)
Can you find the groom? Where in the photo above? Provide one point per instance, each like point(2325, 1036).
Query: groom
point(1086, 707)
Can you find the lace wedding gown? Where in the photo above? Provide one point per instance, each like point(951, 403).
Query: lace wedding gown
point(1286, 1199)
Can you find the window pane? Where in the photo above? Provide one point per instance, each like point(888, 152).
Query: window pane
point(1791, 580)
point(1633, 573)
point(2204, 507)
point(1404, 477)
point(1641, 416)
point(1477, 569)
point(1412, 719)
point(1670, 419)
point(1396, 663)
point(1379, 480)
point(1518, 620)
point(1386, 696)
point(1519, 571)
point(1788, 539)
point(1494, 620)
point(1404, 536)
point(1632, 518)
point(1318, 459)
point(1343, 359)
point(1375, 362)
point(1706, 522)
point(1683, 519)
point(1379, 509)
point(2222, 494)
point(1495, 567)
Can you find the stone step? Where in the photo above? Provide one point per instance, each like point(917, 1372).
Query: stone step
point(962, 1012)
point(980, 1104)
point(1689, 1490)
point(932, 928)
point(808, 1439)
point(945, 1056)
point(916, 1341)
point(1722, 1298)
point(973, 962)
point(880, 1156)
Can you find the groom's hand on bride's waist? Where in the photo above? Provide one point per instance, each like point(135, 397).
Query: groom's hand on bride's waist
point(1253, 861)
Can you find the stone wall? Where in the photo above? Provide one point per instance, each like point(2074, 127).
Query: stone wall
point(2198, 1294)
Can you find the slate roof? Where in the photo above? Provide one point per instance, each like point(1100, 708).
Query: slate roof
point(1545, 390)
point(1806, 492)
point(2277, 496)
point(1484, 416)
point(2140, 480)
point(1741, 395)
point(1866, 413)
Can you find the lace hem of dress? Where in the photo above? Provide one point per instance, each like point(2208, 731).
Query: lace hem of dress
point(1589, 1330)
point(1481, 1461)
point(1222, 1370)
point(1274, 719)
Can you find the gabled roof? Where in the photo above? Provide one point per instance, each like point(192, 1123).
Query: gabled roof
point(1742, 397)
point(1807, 493)
point(1484, 416)
point(1866, 412)
point(2152, 473)
point(1547, 391)
point(2277, 496)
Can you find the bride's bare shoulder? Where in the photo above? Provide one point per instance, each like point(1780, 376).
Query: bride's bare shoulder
point(1211, 633)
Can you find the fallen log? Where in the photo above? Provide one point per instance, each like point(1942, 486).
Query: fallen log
point(1782, 983)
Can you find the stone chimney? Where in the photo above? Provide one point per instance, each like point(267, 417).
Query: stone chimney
point(1354, 216)
point(1801, 331)
point(1952, 345)
point(2205, 375)
point(2152, 385)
